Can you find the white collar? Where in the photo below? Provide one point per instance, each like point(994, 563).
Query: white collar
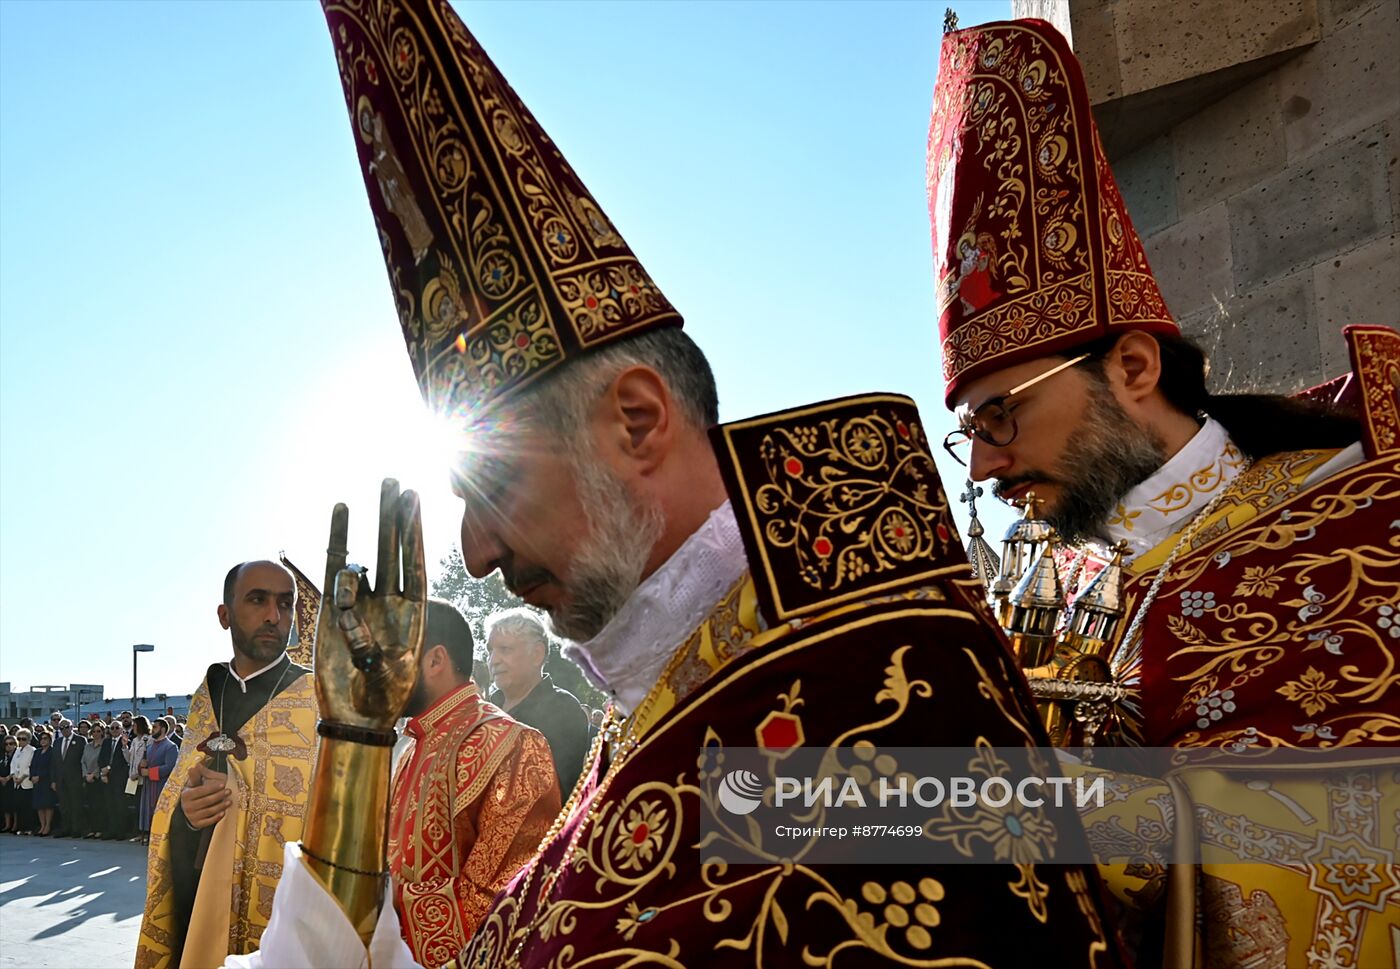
point(1161, 504)
point(627, 657)
point(243, 681)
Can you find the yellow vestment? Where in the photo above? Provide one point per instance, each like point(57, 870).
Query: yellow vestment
point(1284, 862)
point(271, 786)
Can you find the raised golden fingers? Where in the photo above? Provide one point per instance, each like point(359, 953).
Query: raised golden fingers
point(386, 576)
point(415, 571)
point(337, 548)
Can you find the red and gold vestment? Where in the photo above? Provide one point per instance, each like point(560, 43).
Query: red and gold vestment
point(1276, 628)
point(873, 637)
point(473, 796)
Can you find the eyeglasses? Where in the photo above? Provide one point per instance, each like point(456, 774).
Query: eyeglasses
point(993, 421)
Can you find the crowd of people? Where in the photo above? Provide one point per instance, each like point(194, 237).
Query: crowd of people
point(98, 779)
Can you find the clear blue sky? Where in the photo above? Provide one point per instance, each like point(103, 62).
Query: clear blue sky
point(191, 290)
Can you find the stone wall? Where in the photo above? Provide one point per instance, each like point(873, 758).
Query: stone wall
point(1256, 144)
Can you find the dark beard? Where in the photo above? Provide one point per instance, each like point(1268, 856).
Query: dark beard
point(1107, 456)
point(417, 700)
point(260, 651)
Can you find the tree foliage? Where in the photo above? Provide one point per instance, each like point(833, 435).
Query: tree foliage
point(478, 600)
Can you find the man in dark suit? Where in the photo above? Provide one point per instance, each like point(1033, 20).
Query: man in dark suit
point(113, 768)
point(517, 647)
point(68, 751)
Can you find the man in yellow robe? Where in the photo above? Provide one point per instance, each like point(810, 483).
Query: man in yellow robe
point(238, 792)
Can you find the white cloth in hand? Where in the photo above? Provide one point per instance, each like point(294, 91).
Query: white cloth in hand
point(309, 930)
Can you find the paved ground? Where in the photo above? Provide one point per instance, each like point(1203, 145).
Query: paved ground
point(68, 904)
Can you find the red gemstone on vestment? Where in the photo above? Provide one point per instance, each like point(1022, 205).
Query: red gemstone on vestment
point(591, 303)
point(792, 466)
point(639, 834)
point(899, 531)
point(780, 732)
point(522, 341)
point(822, 546)
point(902, 428)
point(942, 530)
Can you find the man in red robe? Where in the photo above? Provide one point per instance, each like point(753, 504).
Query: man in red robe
point(1263, 567)
point(474, 794)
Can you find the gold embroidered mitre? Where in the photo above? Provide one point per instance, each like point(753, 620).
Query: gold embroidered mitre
point(1033, 249)
point(501, 263)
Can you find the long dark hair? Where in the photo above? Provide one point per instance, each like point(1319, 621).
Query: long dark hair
point(1259, 424)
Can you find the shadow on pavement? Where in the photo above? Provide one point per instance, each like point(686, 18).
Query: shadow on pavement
point(66, 902)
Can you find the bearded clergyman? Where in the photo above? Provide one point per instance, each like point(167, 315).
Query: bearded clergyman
point(1257, 534)
point(711, 578)
point(239, 789)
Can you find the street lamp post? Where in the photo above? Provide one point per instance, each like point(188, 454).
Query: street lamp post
point(79, 713)
point(137, 648)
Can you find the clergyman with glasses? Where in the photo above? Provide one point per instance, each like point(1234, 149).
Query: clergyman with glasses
point(1258, 531)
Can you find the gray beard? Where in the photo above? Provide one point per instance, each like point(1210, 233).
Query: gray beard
point(1107, 456)
point(608, 566)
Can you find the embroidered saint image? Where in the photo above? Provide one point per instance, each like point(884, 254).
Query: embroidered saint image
point(393, 181)
point(974, 280)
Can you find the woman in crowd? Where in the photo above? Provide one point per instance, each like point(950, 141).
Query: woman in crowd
point(44, 771)
point(22, 781)
point(10, 824)
point(91, 821)
point(136, 768)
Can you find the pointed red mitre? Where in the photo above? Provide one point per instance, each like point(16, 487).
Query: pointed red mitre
point(502, 265)
point(1033, 249)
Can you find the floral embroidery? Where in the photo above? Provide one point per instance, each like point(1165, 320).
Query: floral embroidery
point(1332, 642)
point(839, 500)
point(1310, 605)
point(641, 836)
point(1310, 730)
point(1259, 580)
point(899, 532)
point(635, 918)
point(1311, 690)
point(1123, 518)
point(1205, 481)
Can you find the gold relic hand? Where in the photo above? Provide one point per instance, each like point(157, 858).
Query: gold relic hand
point(367, 646)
